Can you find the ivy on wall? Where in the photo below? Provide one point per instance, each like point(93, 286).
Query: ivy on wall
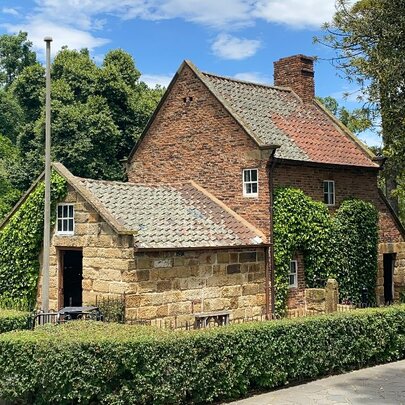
point(21, 241)
point(343, 246)
point(356, 224)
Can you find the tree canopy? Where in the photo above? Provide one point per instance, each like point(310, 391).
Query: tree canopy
point(369, 39)
point(98, 112)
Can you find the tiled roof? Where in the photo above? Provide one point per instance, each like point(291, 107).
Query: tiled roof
point(277, 116)
point(171, 216)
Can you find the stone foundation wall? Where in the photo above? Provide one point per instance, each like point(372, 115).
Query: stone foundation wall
point(169, 285)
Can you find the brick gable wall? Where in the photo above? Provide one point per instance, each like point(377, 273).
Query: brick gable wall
point(200, 141)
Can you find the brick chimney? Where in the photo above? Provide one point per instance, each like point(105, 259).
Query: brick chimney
point(296, 72)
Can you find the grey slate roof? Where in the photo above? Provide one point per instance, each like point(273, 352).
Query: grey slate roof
point(172, 216)
point(254, 105)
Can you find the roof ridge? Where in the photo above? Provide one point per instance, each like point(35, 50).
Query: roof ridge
point(233, 79)
point(130, 183)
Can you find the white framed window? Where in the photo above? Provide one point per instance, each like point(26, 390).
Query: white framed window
point(65, 222)
point(293, 274)
point(329, 192)
point(250, 182)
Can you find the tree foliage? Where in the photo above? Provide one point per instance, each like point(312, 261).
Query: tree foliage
point(98, 112)
point(369, 40)
point(356, 121)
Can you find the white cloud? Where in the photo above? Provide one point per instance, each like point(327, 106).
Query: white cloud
point(229, 47)
point(254, 77)
point(152, 80)
point(10, 11)
point(295, 13)
point(74, 38)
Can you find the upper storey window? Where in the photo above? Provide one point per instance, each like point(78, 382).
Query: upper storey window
point(329, 192)
point(65, 223)
point(250, 183)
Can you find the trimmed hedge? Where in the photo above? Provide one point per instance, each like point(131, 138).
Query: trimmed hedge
point(91, 362)
point(13, 320)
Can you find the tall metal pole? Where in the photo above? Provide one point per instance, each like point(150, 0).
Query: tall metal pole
point(47, 209)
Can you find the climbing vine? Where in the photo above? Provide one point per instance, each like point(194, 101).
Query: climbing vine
point(343, 246)
point(356, 224)
point(20, 244)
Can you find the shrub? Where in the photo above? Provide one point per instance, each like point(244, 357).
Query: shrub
point(90, 362)
point(13, 320)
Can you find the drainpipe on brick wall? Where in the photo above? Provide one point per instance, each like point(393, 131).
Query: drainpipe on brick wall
point(270, 273)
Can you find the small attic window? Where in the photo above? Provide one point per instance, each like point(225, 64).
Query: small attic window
point(187, 100)
point(65, 223)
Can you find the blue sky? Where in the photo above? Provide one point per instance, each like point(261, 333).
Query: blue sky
point(237, 38)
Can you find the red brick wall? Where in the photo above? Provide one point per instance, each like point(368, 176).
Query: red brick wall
point(296, 72)
point(202, 142)
point(349, 182)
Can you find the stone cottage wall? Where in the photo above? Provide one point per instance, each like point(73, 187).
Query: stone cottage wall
point(157, 285)
point(169, 285)
point(107, 257)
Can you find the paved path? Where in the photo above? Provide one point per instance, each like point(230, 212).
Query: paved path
point(375, 386)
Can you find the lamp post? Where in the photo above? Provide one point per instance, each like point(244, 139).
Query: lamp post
point(47, 207)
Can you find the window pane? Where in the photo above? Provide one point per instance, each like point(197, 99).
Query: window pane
point(59, 211)
point(70, 228)
point(65, 211)
point(292, 279)
point(59, 225)
point(248, 188)
point(246, 174)
point(254, 188)
point(70, 211)
point(254, 175)
point(325, 187)
point(65, 225)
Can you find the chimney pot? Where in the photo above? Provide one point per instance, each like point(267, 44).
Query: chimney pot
point(296, 72)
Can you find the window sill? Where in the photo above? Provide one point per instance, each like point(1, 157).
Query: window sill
point(64, 233)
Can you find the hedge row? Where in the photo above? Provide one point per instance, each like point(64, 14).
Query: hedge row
point(13, 320)
point(89, 362)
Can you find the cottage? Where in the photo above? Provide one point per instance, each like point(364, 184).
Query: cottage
point(190, 231)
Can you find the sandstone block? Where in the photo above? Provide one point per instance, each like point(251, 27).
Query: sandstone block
point(233, 257)
point(144, 263)
point(205, 271)
point(101, 286)
point(223, 257)
point(233, 268)
point(164, 285)
point(147, 312)
point(179, 308)
point(231, 291)
point(147, 286)
point(247, 257)
point(142, 275)
point(162, 311)
point(118, 288)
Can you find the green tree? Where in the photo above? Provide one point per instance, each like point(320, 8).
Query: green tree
point(356, 121)
point(11, 115)
point(15, 55)
point(369, 40)
point(98, 113)
point(9, 157)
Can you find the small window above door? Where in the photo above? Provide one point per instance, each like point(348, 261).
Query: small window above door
point(65, 222)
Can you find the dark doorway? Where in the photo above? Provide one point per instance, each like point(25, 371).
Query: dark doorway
point(72, 275)
point(389, 260)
